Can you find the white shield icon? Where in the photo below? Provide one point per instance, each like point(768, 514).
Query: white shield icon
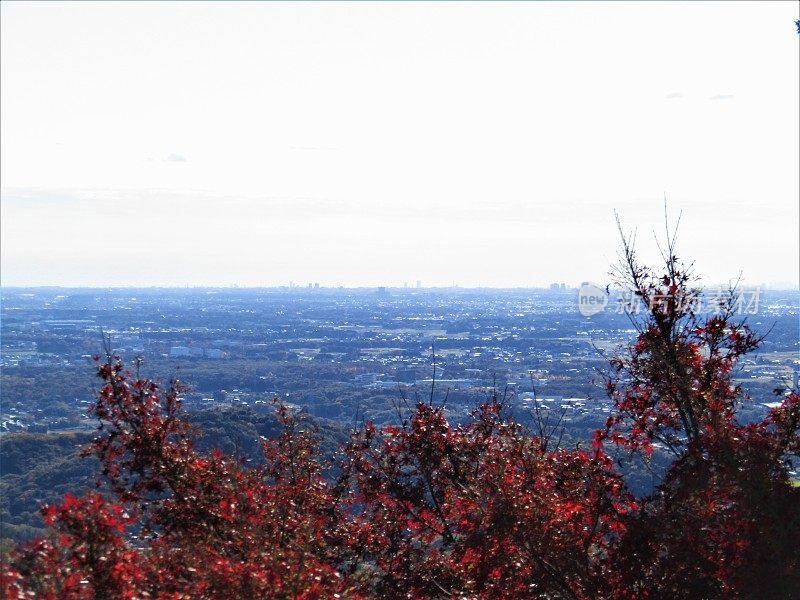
point(592, 299)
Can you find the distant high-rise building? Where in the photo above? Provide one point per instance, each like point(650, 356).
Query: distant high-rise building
point(419, 284)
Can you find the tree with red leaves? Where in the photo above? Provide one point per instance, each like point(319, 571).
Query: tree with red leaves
point(481, 510)
point(724, 521)
point(182, 524)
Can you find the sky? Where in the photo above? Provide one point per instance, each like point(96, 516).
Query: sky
point(367, 144)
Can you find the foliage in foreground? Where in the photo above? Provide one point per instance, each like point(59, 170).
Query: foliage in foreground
point(425, 509)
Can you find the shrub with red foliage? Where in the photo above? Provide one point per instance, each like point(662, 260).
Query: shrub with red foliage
point(86, 557)
point(481, 510)
point(724, 521)
point(184, 524)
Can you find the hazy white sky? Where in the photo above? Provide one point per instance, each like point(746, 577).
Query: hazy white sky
point(382, 143)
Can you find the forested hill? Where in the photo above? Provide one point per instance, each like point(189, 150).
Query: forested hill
point(40, 468)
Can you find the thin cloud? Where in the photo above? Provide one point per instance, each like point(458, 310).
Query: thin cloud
point(722, 97)
point(176, 158)
point(674, 95)
point(311, 148)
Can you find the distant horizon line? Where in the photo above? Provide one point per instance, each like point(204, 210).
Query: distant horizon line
point(780, 286)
